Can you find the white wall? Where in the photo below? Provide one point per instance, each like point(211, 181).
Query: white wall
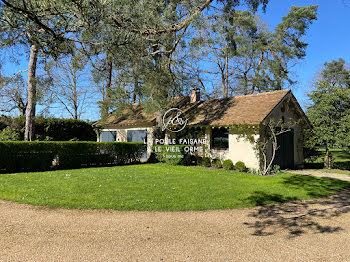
point(240, 149)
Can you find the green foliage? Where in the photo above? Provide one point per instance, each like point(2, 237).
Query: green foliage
point(139, 38)
point(340, 159)
point(259, 59)
point(64, 129)
point(228, 164)
point(206, 162)
point(199, 160)
point(9, 134)
point(31, 156)
point(335, 73)
point(254, 171)
point(275, 170)
point(54, 129)
point(240, 166)
point(272, 171)
point(216, 162)
point(329, 114)
point(310, 145)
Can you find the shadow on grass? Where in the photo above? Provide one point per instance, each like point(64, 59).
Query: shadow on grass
point(315, 186)
point(300, 217)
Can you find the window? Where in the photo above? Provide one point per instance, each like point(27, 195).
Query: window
point(108, 136)
point(137, 136)
point(219, 138)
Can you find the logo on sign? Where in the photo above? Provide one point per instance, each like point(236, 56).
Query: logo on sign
point(172, 120)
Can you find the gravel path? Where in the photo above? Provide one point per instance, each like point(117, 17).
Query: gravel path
point(315, 230)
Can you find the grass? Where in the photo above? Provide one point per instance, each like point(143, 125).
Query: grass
point(160, 187)
point(341, 160)
point(338, 155)
point(336, 171)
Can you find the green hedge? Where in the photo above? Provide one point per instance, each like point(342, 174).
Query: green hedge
point(35, 156)
point(53, 129)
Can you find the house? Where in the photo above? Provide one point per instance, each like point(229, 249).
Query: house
point(226, 125)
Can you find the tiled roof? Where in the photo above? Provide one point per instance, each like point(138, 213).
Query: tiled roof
point(248, 109)
point(133, 118)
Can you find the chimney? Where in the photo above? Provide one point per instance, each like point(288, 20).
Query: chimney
point(195, 96)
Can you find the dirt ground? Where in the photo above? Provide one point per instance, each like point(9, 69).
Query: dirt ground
point(315, 230)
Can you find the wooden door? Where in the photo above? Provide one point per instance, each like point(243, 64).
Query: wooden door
point(285, 152)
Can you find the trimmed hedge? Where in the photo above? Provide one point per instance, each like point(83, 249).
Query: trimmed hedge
point(36, 156)
point(240, 166)
point(216, 162)
point(53, 129)
point(227, 164)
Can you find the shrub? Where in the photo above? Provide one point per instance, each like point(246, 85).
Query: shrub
point(206, 162)
point(199, 160)
point(240, 166)
point(33, 156)
point(275, 170)
point(9, 134)
point(192, 160)
point(255, 171)
point(227, 164)
point(47, 128)
point(216, 162)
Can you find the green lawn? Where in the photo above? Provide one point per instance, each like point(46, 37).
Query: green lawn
point(159, 187)
point(341, 160)
point(336, 171)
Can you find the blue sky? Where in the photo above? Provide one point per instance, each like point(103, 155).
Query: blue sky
point(328, 37)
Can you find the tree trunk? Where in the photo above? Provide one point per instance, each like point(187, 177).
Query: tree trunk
point(225, 91)
point(108, 91)
point(75, 96)
point(31, 95)
point(328, 159)
point(136, 86)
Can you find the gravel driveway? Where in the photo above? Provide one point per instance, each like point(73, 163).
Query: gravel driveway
point(315, 230)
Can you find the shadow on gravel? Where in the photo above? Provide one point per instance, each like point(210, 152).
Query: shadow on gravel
point(297, 217)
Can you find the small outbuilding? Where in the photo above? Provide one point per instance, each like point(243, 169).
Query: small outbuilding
point(234, 128)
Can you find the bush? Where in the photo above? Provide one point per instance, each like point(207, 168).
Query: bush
point(227, 164)
point(192, 160)
point(216, 162)
point(9, 134)
point(255, 171)
point(240, 166)
point(206, 162)
point(54, 129)
point(199, 160)
point(34, 156)
point(275, 170)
